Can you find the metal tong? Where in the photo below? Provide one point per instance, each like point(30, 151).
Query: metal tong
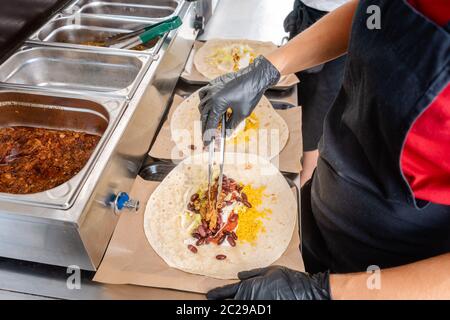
point(211, 158)
point(143, 35)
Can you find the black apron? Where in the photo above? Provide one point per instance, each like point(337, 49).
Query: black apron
point(359, 210)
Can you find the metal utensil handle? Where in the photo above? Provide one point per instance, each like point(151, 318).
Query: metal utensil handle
point(150, 34)
point(210, 167)
point(123, 36)
point(222, 158)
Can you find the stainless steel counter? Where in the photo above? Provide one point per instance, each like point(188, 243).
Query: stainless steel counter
point(252, 19)
point(249, 19)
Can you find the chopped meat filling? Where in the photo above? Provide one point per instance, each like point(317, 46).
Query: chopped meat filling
point(38, 159)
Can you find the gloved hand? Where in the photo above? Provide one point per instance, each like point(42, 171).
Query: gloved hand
point(240, 91)
point(275, 283)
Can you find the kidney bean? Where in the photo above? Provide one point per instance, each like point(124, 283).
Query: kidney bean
point(221, 257)
point(194, 197)
point(221, 239)
point(200, 242)
point(196, 235)
point(247, 204)
point(244, 197)
point(192, 248)
point(201, 231)
point(191, 206)
point(234, 235)
point(231, 241)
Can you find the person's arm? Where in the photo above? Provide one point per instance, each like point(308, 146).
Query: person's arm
point(241, 91)
point(325, 40)
point(426, 279)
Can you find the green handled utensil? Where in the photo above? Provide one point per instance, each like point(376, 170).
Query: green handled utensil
point(123, 36)
point(149, 33)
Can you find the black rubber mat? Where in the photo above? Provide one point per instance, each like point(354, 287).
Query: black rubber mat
point(20, 18)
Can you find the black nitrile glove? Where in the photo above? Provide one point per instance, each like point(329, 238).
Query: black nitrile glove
point(240, 91)
point(275, 283)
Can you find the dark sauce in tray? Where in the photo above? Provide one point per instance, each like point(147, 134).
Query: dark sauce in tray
point(38, 159)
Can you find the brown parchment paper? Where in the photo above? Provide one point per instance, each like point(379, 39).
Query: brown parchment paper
point(193, 76)
point(289, 160)
point(130, 259)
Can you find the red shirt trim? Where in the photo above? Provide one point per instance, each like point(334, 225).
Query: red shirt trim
point(425, 158)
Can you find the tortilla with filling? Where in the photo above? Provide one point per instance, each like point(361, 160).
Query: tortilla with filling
point(170, 238)
point(219, 56)
point(264, 132)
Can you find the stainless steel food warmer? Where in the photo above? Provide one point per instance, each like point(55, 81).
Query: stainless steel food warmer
point(135, 9)
point(75, 70)
point(76, 30)
point(53, 81)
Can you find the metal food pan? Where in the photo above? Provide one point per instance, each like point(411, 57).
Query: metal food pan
point(16, 111)
point(134, 9)
point(77, 30)
point(74, 70)
point(64, 112)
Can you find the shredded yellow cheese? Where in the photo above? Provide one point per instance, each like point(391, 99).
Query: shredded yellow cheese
point(251, 125)
point(250, 222)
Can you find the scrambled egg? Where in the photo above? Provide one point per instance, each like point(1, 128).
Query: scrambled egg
point(233, 58)
point(251, 127)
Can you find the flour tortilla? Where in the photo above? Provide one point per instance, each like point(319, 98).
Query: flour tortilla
point(169, 200)
point(204, 64)
point(268, 141)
